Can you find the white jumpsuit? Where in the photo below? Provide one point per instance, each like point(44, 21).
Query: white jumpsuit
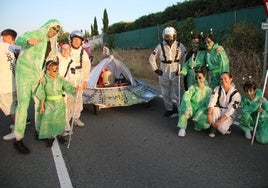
point(170, 58)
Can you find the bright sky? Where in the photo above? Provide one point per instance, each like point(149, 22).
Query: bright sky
point(24, 15)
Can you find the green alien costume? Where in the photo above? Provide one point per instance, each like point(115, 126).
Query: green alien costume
point(217, 63)
point(29, 71)
point(249, 116)
point(53, 120)
point(195, 103)
point(194, 62)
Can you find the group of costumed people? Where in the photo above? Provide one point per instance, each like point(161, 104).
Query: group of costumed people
point(198, 86)
point(37, 76)
point(56, 79)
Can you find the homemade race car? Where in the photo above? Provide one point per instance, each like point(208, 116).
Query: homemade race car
point(111, 84)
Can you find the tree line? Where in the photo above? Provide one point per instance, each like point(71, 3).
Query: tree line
point(182, 11)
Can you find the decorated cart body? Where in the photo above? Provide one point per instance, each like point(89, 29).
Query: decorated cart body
point(111, 84)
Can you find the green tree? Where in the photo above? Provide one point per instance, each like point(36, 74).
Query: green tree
point(91, 30)
point(87, 35)
point(95, 27)
point(105, 21)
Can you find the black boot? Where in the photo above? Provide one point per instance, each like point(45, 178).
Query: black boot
point(20, 147)
point(62, 140)
point(50, 142)
point(36, 135)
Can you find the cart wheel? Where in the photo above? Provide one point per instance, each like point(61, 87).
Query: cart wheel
point(149, 105)
point(96, 109)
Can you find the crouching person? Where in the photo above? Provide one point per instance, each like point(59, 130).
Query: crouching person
point(194, 105)
point(253, 103)
point(223, 104)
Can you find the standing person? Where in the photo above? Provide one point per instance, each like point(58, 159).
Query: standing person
point(53, 107)
point(38, 46)
point(8, 95)
point(65, 66)
point(80, 73)
point(171, 53)
point(195, 59)
point(253, 103)
point(105, 50)
point(223, 104)
point(216, 61)
point(9, 36)
point(194, 105)
point(86, 47)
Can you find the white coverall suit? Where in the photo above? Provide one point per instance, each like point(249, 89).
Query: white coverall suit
point(170, 58)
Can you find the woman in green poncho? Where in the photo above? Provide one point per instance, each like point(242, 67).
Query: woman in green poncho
point(38, 46)
point(250, 108)
point(216, 61)
point(53, 107)
point(194, 105)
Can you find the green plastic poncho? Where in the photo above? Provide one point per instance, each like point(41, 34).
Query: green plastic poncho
point(217, 62)
point(191, 64)
point(29, 71)
point(249, 116)
point(53, 120)
point(194, 103)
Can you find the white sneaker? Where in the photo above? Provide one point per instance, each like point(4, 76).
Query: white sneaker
point(78, 123)
point(9, 136)
point(248, 135)
point(228, 131)
point(212, 133)
point(181, 133)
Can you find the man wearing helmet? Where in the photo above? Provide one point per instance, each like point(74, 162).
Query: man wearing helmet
point(171, 53)
point(79, 73)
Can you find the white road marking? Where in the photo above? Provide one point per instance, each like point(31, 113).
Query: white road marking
point(64, 178)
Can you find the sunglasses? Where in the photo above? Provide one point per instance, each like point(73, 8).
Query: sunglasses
point(56, 29)
point(198, 77)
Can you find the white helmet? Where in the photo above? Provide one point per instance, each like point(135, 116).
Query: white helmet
point(169, 32)
point(78, 34)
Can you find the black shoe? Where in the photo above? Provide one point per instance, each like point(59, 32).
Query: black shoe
point(36, 135)
point(171, 113)
point(20, 147)
point(50, 142)
point(168, 113)
point(62, 140)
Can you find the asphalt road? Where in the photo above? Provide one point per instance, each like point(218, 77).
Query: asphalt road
point(136, 147)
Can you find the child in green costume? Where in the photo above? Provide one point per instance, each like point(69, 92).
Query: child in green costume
point(38, 46)
point(252, 104)
point(53, 107)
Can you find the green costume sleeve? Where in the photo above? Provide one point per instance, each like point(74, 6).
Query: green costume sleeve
point(68, 87)
point(219, 60)
point(265, 105)
point(40, 91)
point(251, 106)
point(185, 68)
point(186, 105)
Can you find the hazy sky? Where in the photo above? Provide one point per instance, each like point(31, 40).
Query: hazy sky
point(24, 15)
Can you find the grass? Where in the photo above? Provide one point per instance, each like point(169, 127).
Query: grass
point(243, 65)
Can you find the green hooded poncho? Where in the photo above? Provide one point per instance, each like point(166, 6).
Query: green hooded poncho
point(29, 70)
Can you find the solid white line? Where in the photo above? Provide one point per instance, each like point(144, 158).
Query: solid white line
point(64, 178)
